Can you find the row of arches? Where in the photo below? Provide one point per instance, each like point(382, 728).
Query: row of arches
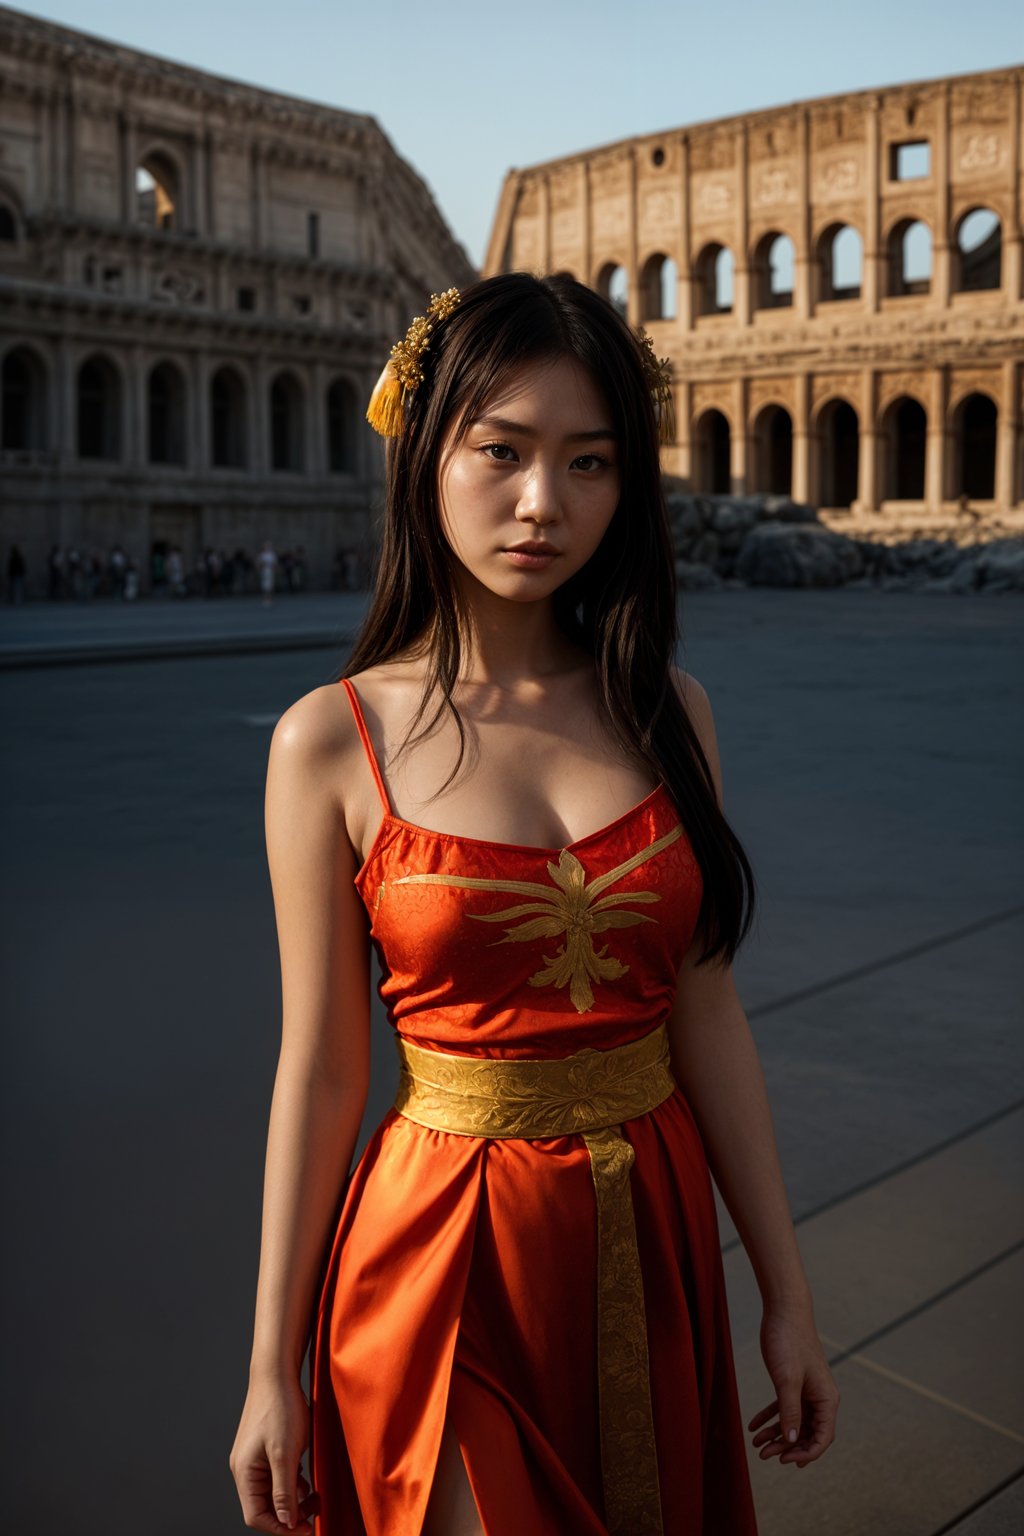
point(837, 268)
point(98, 396)
point(902, 437)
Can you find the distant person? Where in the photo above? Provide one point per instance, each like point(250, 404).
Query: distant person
point(55, 566)
point(266, 564)
point(118, 564)
point(131, 582)
point(175, 571)
point(16, 572)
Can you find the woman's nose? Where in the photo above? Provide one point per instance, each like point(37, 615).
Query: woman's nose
point(540, 494)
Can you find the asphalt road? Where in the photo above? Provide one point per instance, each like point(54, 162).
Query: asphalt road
point(873, 758)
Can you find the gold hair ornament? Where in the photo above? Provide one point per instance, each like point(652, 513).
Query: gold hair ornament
point(659, 379)
point(403, 371)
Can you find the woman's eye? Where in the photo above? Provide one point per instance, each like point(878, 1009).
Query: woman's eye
point(489, 446)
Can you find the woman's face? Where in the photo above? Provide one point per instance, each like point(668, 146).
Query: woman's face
point(538, 464)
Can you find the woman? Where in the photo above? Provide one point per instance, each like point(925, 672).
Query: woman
point(518, 1308)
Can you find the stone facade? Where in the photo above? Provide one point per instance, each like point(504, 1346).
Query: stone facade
point(199, 284)
point(837, 283)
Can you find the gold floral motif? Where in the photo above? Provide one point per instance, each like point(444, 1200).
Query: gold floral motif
point(588, 1093)
point(572, 908)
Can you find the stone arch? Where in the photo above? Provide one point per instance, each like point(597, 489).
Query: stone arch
point(166, 398)
point(713, 275)
point(342, 406)
point(659, 278)
point(773, 265)
point(975, 424)
point(908, 258)
point(98, 394)
point(287, 421)
point(24, 387)
point(228, 404)
point(838, 434)
point(159, 186)
point(772, 441)
point(838, 263)
point(613, 285)
point(903, 431)
point(977, 250)
point(712, 453)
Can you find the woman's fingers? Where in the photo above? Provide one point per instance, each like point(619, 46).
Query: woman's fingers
point(819, 1435)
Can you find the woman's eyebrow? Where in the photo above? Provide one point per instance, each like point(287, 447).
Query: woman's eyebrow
point(504, 425)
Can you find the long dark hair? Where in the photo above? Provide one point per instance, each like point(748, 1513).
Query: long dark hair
point(621, 605)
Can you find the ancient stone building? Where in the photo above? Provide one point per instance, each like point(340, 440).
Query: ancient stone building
point(199, 283)
point(837, 283)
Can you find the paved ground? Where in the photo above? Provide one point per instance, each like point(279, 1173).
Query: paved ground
point(873, 754)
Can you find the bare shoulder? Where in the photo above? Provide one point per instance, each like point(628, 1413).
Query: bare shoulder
point(698, 708)
point(316, 730)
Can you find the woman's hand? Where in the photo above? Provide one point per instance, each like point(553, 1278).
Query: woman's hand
point(808, 1398)
point(264, 1461)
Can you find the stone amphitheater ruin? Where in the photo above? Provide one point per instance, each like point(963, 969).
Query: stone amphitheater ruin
point(837, 283)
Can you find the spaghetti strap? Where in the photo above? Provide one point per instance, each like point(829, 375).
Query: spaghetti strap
point(364, 734)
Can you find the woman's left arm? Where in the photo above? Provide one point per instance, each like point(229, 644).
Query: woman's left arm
point(715, 1062)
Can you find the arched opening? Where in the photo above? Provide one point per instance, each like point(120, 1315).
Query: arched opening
point(8, 224)
point(839, 446)
point(227, 419)
point(165, 415)
point(23, 401)
point(99, 409)
point(658, 282)
point(774, 271)
point(613, 285)
point(713, 280)
point(903, 433)
point(975, 423)
point(839, 263)
point(712, 454)
point(157, 191)
point(342, 415)
point(286, 423)
point(773, 451)
point(909, 258)
point(978, 249)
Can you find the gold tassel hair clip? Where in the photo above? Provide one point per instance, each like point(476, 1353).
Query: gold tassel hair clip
point(403, 371)
point(659, 379)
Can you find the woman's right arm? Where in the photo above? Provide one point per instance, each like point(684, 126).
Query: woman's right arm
point(319, 1091)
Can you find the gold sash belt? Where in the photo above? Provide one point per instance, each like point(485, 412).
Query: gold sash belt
point(589, 1094)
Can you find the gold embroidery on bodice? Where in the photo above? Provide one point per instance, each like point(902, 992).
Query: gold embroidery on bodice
point(572, 908)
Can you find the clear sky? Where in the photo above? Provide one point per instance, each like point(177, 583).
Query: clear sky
point(464, 91)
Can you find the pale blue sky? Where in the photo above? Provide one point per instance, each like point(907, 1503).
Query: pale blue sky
point(465, 91)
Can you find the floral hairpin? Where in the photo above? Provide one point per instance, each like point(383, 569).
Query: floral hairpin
point(659, 378)
point(403, 371)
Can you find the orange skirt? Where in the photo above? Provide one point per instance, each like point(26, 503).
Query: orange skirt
point(532, 1245)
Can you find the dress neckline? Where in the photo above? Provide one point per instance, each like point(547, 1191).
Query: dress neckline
point(390, 820)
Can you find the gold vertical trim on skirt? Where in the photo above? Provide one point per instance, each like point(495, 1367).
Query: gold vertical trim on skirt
point(589, 1094)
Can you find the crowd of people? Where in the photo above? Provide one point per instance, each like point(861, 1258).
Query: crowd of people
point(84, 574)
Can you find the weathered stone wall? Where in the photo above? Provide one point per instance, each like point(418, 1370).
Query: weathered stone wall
point(199, 282)
point(869, 353)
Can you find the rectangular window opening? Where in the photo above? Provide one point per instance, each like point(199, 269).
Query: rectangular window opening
point(910, 161)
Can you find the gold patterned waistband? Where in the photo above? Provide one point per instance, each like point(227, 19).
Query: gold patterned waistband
point(590, 1094)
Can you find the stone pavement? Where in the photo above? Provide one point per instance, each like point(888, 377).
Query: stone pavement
point(873, 752)
point(42, 633)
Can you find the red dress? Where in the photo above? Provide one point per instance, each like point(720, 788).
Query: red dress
point(462, 1268)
